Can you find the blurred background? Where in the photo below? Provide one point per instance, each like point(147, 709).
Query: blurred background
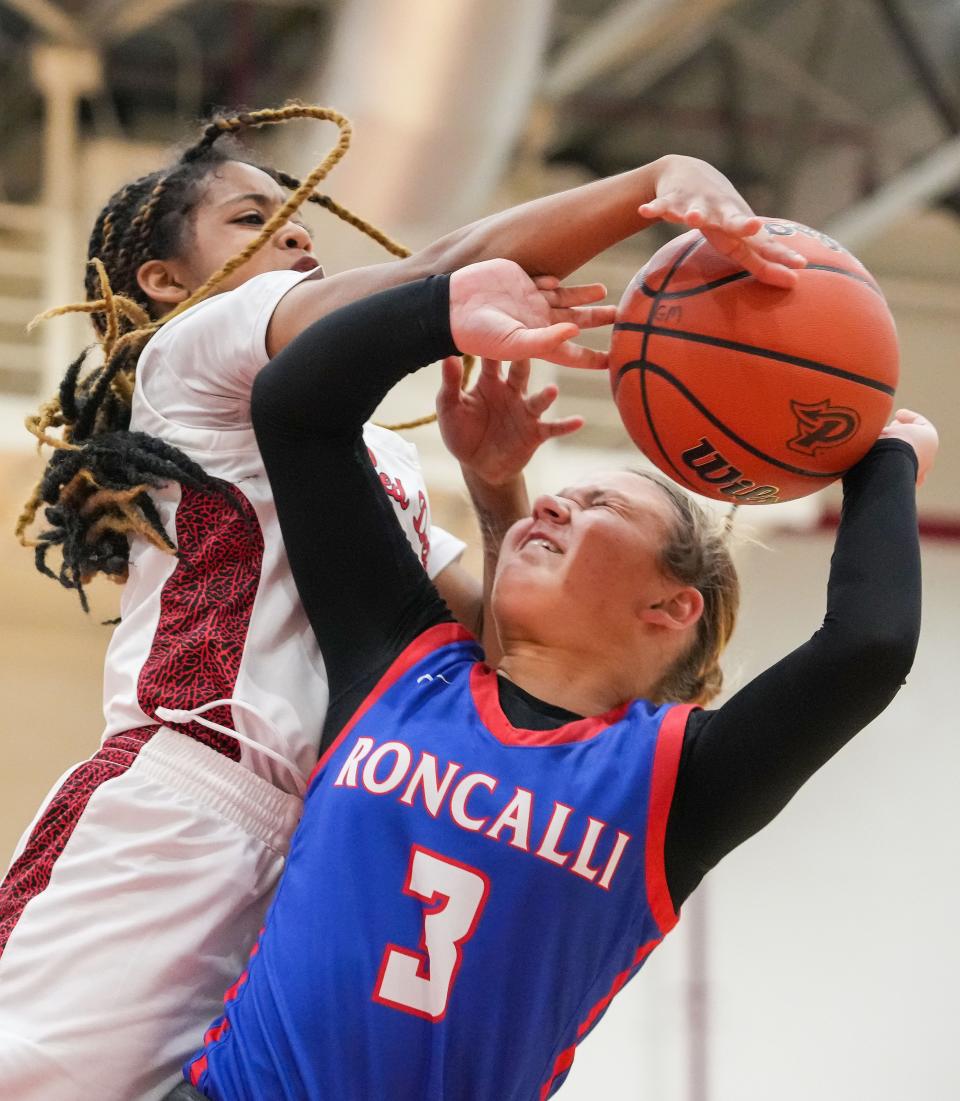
point(820, 960)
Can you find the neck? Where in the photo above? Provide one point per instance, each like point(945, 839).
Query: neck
point(578, 682)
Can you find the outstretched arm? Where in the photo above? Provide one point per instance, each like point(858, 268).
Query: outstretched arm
point(742, 763)
point(557, 234)
point(361, 585)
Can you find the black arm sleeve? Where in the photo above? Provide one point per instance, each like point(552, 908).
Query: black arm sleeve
point(363, 588)
point(742, 763)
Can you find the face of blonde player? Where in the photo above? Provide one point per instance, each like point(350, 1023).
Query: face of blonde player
point(236, 200)
point(585, 565)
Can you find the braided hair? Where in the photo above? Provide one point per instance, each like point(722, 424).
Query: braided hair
point(95, 488)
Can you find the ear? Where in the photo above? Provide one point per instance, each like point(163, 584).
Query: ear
point(159, 280)
point(676, 611)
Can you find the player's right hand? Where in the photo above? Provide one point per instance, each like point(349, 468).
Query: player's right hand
point(692, 193)
point(498, 312)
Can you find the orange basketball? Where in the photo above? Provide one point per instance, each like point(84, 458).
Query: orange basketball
point(746, 392)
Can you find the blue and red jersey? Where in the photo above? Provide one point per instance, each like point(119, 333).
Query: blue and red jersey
point(462, 898)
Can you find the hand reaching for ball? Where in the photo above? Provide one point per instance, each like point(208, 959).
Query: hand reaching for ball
point(919, 433)
point(497, 311)
point(692, 193)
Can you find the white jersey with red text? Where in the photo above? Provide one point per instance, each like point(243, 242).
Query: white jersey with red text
point(142, 882)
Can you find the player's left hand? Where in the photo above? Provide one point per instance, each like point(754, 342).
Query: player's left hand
point(494, 429)
point(917, 431)
point(692, 193)
point(499, 312)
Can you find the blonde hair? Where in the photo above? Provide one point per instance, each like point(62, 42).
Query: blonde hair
point(697, 552)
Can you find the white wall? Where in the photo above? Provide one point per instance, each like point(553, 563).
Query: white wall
point(833, 962)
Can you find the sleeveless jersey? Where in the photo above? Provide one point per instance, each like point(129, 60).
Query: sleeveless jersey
point(223, 619)
point(462, 898)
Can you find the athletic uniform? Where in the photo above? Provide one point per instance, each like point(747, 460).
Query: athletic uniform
point(532, 868)
point(137, 892)
point(477, 872)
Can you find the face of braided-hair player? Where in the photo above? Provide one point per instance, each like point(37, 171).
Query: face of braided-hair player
point(233, 204)
point(204, 225)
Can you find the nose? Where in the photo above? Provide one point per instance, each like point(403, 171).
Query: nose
point(293, 236)
point(548, 507)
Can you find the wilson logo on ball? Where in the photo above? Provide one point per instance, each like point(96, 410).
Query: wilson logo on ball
point(714, 469)
point(821, 425)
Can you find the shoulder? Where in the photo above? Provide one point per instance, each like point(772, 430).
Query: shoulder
point(219, 344)
point(239, 309)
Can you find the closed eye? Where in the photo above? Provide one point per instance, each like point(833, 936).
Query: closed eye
point(612, 504)
point(592, 499)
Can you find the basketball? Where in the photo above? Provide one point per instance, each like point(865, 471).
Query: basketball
point(750, 393)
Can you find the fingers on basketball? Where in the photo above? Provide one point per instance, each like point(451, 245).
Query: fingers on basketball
point(694, 336)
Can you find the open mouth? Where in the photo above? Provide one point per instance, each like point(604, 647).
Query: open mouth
point(306, 264)
point(543, 541)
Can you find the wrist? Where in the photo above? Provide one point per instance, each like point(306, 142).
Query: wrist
point(487, 483)
point(506, 496)
point(645, 180)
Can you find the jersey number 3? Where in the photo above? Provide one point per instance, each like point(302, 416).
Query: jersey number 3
point(420, 982)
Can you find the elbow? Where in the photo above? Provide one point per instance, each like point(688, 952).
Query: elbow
point(885, 656)
point(282, 401)
point(269, 398)
point(892, 659)
point(263, 396)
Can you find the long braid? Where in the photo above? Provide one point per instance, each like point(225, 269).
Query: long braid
point(97, 497)
point(256, 119)
point(341, 212)
point(94, 490)
point(386, 242)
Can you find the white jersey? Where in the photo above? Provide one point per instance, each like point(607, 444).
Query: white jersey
point(136, 894)
point(223, 619)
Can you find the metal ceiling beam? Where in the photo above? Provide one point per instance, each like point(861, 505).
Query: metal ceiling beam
point(108, 21)
point(124, 20)
point(630, 31)
point(761, 54)
point(918, 186)
point(802, 117)
point(918, 59)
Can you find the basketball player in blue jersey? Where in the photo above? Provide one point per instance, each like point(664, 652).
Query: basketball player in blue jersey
point(486, 856)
